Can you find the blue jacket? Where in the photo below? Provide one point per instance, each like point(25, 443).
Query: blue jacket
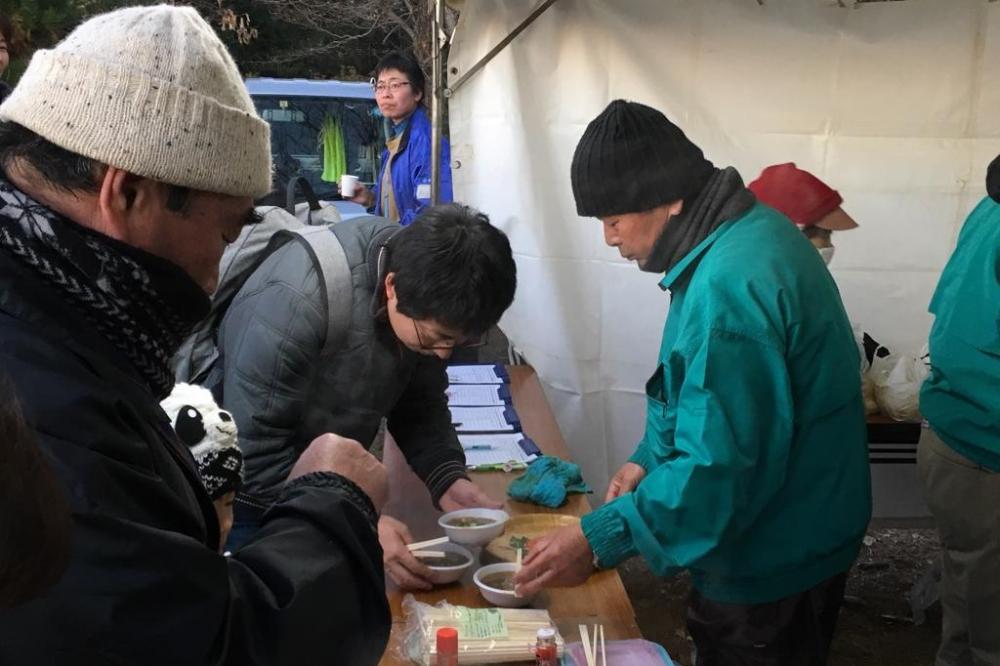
point(411, 170)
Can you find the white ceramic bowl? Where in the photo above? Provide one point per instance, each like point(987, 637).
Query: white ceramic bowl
point(445, 575)
point(480, 535)
point(496, 596)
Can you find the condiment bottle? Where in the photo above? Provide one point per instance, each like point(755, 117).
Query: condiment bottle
point(447, 647)
point(546, 651)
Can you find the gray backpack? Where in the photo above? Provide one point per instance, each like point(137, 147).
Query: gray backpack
point(198, 359)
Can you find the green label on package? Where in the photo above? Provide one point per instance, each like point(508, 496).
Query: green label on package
point(481, 623)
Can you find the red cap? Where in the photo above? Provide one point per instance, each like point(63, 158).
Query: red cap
point(801, 197)
point(447, 641)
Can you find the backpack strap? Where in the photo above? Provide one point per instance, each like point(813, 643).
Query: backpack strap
point(335, 274)
point(303, 185)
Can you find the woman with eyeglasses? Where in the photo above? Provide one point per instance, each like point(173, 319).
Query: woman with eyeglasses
point(403, 188)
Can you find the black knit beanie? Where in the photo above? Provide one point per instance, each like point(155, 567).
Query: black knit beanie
point(632, 159)
point(993, 179)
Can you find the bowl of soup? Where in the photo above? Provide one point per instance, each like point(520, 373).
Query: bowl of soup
point(473, 527)
point(451, 567)
point(496, 584)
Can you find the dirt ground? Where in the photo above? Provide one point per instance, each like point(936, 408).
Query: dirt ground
point(875, 624)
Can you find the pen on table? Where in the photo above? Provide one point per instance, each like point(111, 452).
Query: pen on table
point(478, 447)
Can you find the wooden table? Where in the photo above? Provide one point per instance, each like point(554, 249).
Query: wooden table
point(601, 600)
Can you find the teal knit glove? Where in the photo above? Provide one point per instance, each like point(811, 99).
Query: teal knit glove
point(547, 481)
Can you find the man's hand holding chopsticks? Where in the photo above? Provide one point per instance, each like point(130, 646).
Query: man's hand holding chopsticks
point(561, 558)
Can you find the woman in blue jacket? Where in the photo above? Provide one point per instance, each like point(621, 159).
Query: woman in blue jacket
point(403, 187)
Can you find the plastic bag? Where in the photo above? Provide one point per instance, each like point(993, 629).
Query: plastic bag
point(868, 394)
point(867, 385)
point(633, 652)
point(859, 340)
point(485, 635)
point(897, 380)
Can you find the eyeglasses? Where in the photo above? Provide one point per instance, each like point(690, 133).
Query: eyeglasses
point(465, 344)
point(392, 86)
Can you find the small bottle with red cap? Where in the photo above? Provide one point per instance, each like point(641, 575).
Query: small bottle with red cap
point(447, 647)
point(546, 650)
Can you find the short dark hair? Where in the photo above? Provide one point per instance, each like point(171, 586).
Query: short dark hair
point(61, 168)
point(408, 66)
point(452, 266)
point(6, 29)
point(35, 527)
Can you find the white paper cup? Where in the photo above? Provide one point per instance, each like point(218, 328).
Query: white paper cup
point(347, 185)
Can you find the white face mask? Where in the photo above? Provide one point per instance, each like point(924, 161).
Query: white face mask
point(827, 254)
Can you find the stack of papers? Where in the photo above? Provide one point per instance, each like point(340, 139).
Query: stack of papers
point(490, 431)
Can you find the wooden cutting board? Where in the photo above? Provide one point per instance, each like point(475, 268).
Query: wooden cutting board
point(526, 526)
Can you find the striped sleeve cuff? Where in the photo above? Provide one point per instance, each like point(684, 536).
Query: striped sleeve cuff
point(441, 478)
point(644, 457)
point(608, 534)
point(347, 488)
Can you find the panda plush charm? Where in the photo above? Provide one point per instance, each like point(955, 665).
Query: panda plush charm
point(210, 434)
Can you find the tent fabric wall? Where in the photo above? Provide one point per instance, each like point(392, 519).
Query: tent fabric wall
point(891, 103)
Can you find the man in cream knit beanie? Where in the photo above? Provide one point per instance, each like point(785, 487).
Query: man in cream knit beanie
point(152, 91)
point(130, 155)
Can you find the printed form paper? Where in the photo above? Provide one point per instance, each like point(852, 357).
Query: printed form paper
point(474, 395)
point(481, 419)
point(474, 374)
point(496, 449)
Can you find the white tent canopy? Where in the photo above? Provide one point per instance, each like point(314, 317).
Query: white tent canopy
point(893, 104)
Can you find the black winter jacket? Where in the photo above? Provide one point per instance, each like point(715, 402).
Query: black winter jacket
point(145, 584)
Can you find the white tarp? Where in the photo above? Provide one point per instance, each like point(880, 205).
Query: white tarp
point(894, 104)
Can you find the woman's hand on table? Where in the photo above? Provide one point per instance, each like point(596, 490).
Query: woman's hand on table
point(625, 480)
point(408, 572)
point(561, 558)
point(464, 494)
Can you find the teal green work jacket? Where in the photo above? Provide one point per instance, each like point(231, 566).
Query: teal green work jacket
point(755, 446)
point(961, 397)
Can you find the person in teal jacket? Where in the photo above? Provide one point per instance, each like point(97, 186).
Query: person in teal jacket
point(959, 455)
point(753, 470)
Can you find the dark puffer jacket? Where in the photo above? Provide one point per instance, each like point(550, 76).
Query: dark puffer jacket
point(284, 389)
point(145, 584)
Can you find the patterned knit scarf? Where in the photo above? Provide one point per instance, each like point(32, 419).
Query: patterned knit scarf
point(143, 305)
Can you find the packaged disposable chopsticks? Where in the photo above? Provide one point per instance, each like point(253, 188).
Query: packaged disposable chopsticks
point(485, 635)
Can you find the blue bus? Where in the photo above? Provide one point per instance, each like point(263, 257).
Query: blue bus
point(302, 113)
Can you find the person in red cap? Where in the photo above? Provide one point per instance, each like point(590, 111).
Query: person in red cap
point(807, 201)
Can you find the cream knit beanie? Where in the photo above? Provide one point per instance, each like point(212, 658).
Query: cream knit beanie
point(152, 91)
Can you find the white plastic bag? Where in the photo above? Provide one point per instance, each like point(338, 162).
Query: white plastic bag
point(867, 384)
point(859, 340)
point(897, 379)
point(868, 394)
